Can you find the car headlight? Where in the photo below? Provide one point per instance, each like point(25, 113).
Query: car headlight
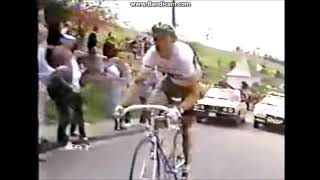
point(224, 109)
point(199, 106)
point(230, 110)
point(269, 118)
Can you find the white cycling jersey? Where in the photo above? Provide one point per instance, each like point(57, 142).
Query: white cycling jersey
point(181, 67)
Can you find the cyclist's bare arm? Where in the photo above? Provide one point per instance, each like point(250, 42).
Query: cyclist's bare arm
point(194, 94)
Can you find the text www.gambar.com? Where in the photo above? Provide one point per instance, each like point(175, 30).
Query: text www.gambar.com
point(160, 4)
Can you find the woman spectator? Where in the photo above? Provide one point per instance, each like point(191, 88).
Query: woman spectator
point(118, 76)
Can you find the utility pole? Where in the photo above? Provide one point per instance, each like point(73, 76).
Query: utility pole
point(173, 15)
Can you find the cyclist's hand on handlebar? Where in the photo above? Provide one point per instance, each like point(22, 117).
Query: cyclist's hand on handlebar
point(174, 114)
point(118, 110)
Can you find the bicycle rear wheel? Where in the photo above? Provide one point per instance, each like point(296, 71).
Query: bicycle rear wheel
point(146, 162)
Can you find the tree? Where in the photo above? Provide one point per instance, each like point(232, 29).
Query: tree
point(238, 49)
point(278, 74)
point(232, 65)
point(219, 62)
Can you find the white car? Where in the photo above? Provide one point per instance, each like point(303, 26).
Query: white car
point(270, 110)
point(221, 103)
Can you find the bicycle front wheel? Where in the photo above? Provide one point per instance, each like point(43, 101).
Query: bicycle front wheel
point(146, 162)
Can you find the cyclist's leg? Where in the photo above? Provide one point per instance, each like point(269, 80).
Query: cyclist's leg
point(187, 121)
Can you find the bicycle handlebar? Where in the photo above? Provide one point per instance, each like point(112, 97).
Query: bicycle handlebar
point(155, 107)
point(144, 106)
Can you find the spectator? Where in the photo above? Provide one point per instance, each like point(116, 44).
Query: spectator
point(53, 39)
point(66, 28)
point(146, 44)
point(44, 71)
point(133, 48)
point(94, 65)
point(93, 62)
point(118, 76)
point(92, 39)
point(245, 93)
point(225, 84)
point(142, 88)
point(64, 89)
point(108, 47)
point(110, 37)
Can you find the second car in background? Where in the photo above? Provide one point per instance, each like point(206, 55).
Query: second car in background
point(270, 111)
point(221, 103)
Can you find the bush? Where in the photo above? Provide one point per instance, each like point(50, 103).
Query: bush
point(232, 64)
point(279, 74)
point(95, 102)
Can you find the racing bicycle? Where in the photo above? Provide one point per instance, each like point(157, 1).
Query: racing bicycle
point(151, 158)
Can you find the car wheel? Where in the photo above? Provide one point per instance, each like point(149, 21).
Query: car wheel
point(238, 121)
point(201, 119)
point(256, 124)
point(243, 120)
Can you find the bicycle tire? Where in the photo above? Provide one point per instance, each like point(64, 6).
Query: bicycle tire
point(175, 150)
point(134, 159)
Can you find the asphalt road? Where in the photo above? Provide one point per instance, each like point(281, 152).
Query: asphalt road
point(220, 151)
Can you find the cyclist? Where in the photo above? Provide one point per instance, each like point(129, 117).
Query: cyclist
point(179, 63)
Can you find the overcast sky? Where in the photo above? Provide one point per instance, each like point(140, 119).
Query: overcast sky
point(248, 24)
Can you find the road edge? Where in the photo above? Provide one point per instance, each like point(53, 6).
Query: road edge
point(50, 146)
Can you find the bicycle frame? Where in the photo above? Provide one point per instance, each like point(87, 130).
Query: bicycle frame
point(152, 136)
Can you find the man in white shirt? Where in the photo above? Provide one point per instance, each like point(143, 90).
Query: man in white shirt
point(183, 73)
point(64, 89)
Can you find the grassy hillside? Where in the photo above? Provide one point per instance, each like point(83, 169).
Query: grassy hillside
point(218, 64)
point(216, 61)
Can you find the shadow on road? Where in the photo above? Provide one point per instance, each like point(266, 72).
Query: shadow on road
point(273, 129)
point(226, 123)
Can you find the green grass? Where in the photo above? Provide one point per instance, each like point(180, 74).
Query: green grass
point(217, 62)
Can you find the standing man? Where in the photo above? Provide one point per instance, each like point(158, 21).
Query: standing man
point(44, 71)
point(92, 39)
point(64, 89)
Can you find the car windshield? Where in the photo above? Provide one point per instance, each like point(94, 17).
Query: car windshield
point(273, 101)
point(224, 94)
point(276, 95)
